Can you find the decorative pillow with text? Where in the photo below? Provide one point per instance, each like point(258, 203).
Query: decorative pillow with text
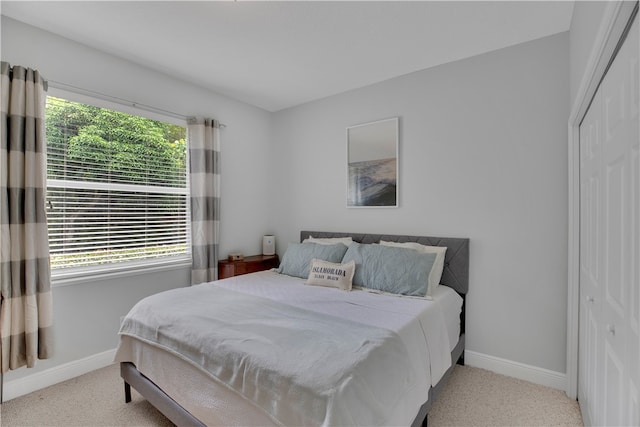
point(333, 275)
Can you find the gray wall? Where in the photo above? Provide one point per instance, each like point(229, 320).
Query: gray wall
point(482, 155)
point(86, 316)
point(585, 23)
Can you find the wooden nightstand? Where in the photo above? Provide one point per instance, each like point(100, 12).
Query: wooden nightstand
point(249, 264)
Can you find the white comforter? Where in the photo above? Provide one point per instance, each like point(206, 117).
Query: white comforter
point(305, 355)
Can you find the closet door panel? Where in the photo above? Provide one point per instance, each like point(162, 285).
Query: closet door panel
point(609, 333)
point(620, 259)
point(616, 256)
point(591, 221)
point(634, 405)
point(613, 392)
point(633, 355)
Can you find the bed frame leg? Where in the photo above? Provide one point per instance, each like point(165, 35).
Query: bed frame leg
point(127, 392)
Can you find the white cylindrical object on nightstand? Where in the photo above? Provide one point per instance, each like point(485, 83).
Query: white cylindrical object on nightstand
point(268, 244)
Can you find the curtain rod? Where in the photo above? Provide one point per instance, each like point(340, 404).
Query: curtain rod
point(117, 100)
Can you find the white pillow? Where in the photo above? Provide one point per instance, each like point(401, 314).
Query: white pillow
point(333, 275)
point(329, 240)
point(438, 266)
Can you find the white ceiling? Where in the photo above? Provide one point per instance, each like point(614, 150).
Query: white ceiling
point(280, 54)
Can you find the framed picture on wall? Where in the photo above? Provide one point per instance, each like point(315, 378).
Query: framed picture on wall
point(372, 164)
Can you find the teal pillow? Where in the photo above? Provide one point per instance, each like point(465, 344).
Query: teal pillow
point(297, 258)
point(391, 269)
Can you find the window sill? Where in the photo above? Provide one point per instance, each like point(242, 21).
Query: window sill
point(74, 276)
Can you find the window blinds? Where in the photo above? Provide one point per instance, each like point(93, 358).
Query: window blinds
point(117, 187)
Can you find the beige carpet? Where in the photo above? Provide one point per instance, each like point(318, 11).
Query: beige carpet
point(473, 397)
point(476, 397)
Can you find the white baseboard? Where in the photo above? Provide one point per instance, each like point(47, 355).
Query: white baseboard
point(518, 370)
point(55, 375)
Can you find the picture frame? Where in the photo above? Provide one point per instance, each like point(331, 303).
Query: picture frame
point(372, 164)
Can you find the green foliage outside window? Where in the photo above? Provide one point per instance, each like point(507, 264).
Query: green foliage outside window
point(114, 142)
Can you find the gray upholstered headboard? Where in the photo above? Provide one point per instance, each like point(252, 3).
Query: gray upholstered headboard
point(456, 261)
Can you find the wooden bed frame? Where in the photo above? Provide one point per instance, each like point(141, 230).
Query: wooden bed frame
point(455, 275)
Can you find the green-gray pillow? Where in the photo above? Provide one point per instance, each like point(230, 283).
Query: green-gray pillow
point(297, 258)
point(390, 269)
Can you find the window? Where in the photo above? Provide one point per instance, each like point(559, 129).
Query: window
point(117, 190)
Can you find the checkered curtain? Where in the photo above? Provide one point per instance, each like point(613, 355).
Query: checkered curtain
point(25, 292)
point(204, 160)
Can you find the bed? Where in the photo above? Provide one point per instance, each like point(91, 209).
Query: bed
point(410, 349)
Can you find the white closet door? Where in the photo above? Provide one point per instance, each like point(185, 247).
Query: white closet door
point(590, 349)
point(616, 256)
point(609, 252)
point(633, 314)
